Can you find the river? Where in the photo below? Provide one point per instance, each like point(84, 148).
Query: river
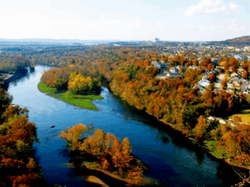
point(173, 160)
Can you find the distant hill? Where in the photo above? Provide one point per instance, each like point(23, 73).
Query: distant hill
point(239, 40)
point(48, 42)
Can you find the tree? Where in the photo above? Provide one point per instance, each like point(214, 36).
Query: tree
point(79, 84)
point(200, 128)
point(233, 61)
point(126, 151)
point(224, 83)
point(212, 77)
point(234, 68)
point(226, 65)
point(195, 62)
point(73, 134)
point(237, 118)
point(209, 67)
point(245, 75)
point(5, 100)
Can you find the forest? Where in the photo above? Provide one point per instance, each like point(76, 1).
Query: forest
point(17, 135)
point(177, 102)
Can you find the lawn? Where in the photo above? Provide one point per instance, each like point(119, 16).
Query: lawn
point(243, 114)
point(244, 117)
point(212, 146)
point(83, 101)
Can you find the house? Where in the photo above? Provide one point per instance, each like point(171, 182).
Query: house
point(173, 70)
point(238, 57)
point(212, 118)
point(193, 67)
point(214, 71)
point(160, 66)
point(245, 87)
point(179, 67)
point(247, 48)
point(215, 61)
point(156, 64)
point(173, 74)
point(202, 84)
point(164, 65)
point(161, 76)
point(235, 75)
point(235, 80)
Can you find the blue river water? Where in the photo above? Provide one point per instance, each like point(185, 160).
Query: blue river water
point(173, 160)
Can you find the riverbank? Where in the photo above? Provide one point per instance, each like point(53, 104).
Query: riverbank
point(220, 155)
point(207, 146)
point(106, 177)
point(82, 101)
point(87, 166)
point(9, 77)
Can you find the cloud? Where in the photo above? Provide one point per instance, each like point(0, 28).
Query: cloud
point(144, 13)
point(210, 7)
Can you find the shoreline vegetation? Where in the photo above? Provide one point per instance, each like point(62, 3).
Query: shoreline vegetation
point(209, 149)
point(17, 135)
point(103, 155)
point(7, 78)
point(82, 101)
point(208, 145)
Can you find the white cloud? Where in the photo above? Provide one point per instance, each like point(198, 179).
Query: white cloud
point(210, 7)
point(144, 13)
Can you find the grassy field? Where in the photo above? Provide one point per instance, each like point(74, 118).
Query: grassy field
point(244, 117)
point(43, 88)
point(243, 114)
point(83, 101)
point(212, 147)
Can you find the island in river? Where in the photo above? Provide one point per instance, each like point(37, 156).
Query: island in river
point(103, 152)
point(83, 101)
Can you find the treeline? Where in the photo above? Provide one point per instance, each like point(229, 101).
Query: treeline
point(14, 63)
point(17, 135)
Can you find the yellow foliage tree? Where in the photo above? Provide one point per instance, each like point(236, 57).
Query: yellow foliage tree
point(79, 84)
point(73, 134)
point(126, 151)
point(200, 128)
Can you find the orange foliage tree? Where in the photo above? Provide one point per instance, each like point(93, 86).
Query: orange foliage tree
point(110, 153)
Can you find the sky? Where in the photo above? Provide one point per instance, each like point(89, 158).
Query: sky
point(168, 20)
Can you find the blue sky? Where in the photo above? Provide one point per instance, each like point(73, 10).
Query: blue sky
point(171, 20)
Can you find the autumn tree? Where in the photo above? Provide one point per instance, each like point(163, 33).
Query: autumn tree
point(79, 84)
point(126, 151)
point(110, 153)
point(195, 62)
point(212, 77)
point(245, 75)
point(233, 61)
point(200, 128)
point(17, 135)
point(224, 83)
point(226, 65)
point(209, 67)
point(5, 100)
point(73, 134)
